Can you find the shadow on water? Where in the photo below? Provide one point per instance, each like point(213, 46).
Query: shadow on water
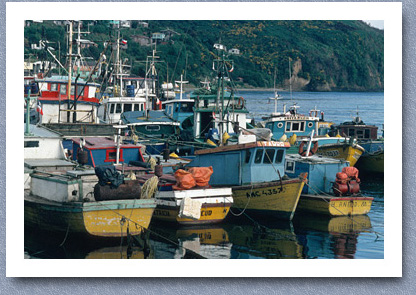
point(56, 245)
point(330, 237)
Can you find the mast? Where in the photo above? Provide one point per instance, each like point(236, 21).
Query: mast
point(69, 70)
point(290, 81)
point(181, 82)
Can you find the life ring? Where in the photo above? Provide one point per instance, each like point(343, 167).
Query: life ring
point(311, 152)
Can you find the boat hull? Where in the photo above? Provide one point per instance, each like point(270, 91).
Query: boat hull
point(106, 219)
point(335, 206)
point(274, 199)
point(214, 205)
point(372, 163)
point(342, 152)
point(210, 214)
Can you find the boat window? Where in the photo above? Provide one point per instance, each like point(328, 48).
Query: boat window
point(248, 156)
point(80, 90)
point(137, 107)
point(360, 133)
point(310, 124)
point(112, 108)
point(170, 110)
point(31, 144)
point(111, 155)
point(118, 108)
point(290, 166)
point(142, 107)
point(54, 87)
point(279, 156)
point(152, 127)
point(259, 155)
point(279, 125)
point(186, 107)
point(63, 89)
point(127, 107)
point(367, 133)
point(295, 126)
point(351, 132)
point(268, 156)
point(72, 89)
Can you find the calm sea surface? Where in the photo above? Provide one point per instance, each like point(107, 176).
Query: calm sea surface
point(245, 237)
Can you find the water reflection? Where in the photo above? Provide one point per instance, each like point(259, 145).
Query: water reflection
point(308, 236)
point(53, 245)
point(326, 237)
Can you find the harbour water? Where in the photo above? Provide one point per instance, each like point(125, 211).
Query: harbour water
point(244, 237)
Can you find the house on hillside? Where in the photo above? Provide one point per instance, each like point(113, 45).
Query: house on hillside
point(142, 40)
point(234, 51)
point(158, 37)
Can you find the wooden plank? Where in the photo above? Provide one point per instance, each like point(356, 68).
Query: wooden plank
point(226, 148)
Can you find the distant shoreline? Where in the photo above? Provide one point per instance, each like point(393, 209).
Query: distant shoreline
point(286, 90)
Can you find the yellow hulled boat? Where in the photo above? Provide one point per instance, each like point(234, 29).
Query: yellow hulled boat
point(335, 206)
point(277, 199)
point(193, 206)
point(254, 171)
point(65, 202)
point(96, 219)
point(341, 151)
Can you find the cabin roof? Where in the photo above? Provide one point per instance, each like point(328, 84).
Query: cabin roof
point(140, 117)
point(40, 131)
point(244, 146)
point(178, 100)
point(313, 160)
point(64, 79)
point(102, 143)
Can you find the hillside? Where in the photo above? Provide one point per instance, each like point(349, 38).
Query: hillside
point(325, 55)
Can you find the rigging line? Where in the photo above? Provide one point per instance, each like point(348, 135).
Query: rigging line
point(180, 50)
point(124, 219)
point(248, 201)
point(66, 235)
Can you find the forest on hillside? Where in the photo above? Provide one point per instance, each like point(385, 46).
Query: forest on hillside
point(320, 55)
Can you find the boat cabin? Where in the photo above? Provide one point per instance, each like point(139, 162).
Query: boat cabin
point(292, 124)
point(359, 130)
point(207, 114)
point(103, 151)
point(242, 164)
point(113, 107)
point(179, 109)
point(81, 107)
point(321, 172)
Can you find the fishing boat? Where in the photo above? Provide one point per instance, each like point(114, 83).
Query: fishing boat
point(126, 93)
point(193, 206)
point(217, 107)
point(326, 192)
point(153, 129)
point(290, 123)
point(254, 170)
point(346, 149)
point(59, 197)
point(372, 159)
point(64, 203)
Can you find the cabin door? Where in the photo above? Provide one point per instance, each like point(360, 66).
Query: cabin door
point(206, 123)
